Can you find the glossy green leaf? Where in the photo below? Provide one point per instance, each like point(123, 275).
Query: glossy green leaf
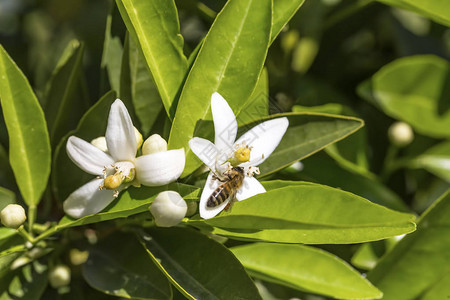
point(112, 53)
point(305, 268)
point(367, 255)
point(27, 283)
point(307, 133)
point(155, 25)
point(436, 10)
point(402, 91)
point(66, 176)
point(63, 106)
point(229, 62)
point(349, 153)
point(283, 11)
point(138, 87)
point(6, 197)
point(336, 176)
point(29, 145)
point(309, 214)
point(131, 202)
point(257, 106)
point(420, 260)
point(435, 160)
point(199, 267)
point(118, 266)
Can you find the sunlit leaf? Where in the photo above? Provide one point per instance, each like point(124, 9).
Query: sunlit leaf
point(229, 62)
point(420, 260)
point(309, 214)
point(305, 268)
point(29, 145)
point(155, 25)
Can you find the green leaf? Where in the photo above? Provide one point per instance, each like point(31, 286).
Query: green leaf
point(436, 10)
point(309, 214)
point(199, 267)
point(307, 133)
point(257, 106)
point(112, 53)
point(155, 25)
point(66, 176)
point(27, 283)
point(119, 266)
point(229, 62)
point(138, 86)
point(438, 291)
point(6, 197)
point(436, 160)
point(305, 268)
point(29, 145)
point(402, 92)
point(283, 11)
point(63, 106)
point(420, 260)
point(368, 187)
point(130, 202)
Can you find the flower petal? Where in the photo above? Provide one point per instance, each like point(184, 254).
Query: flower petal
point(120, 136)
point(210, 186)
point(86, 156)
point(206, 151)
point(263, 138)
point(225, 124)
point(88, 200)
point(160, 168)
point(250, 188)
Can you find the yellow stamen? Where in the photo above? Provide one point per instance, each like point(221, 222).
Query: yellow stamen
point(112, 182)
point(242, 154)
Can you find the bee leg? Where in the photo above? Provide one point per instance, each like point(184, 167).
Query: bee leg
point(216, 177)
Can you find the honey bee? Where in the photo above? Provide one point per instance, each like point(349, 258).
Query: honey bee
point(228, 189)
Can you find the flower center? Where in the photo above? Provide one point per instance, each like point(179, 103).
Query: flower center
point(241, 155)
point(123, 172)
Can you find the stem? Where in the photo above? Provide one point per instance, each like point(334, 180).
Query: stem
point(40, 228)
point(346, 12)
point(47, 233)
point(21, 230)
point(31, 218)
point(389, 162)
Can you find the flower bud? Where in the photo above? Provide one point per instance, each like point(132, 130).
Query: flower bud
point(139, 139)
point(100, 143)
point(59, 276)
point(400, 134)
point(78, 257)
point(13, 215)
point(168, 209)
point(154, 144)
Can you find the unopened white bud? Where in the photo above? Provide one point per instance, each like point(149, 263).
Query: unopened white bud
point(168, 209)
point(154, 144)
point(59, 276)
point(139, 138)
point(19, 262)
point(400, 134)
point(100, 143)
point(13, 215)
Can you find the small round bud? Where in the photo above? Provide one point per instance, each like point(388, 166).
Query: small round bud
point(154, 144)
point(112, 182)
point(13, 215)
point(78, 257)
point(59, 276)
point(168, 209)
point(139, 138)
point(400, 134)
point(100, 143)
